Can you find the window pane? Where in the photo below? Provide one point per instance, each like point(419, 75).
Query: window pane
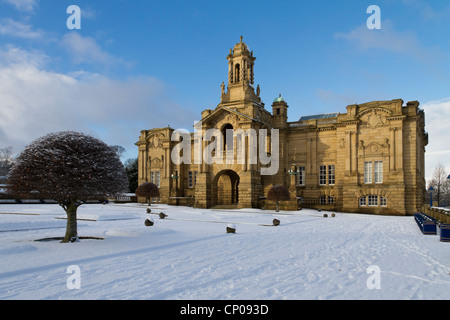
point(373, 201)
point(383, 202)
point(378, 171)
point(367, 172)
point(301, 176)
point(190, 179)
point(323, 175)
point(331, 175)
point(362, 202)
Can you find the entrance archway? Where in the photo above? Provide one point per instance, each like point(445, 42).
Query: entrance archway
point(226, 188)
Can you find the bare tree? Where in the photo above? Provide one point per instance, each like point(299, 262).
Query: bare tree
point(278, 193)
point(68, 167)
point(440, 184)
point(119, 150)
point(148, 190)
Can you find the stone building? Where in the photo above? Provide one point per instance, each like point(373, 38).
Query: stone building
point(368, 160)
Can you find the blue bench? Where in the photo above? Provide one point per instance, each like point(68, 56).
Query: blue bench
point(445, 232)
point(426, 224)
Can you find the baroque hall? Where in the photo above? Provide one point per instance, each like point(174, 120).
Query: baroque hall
point(370, 159)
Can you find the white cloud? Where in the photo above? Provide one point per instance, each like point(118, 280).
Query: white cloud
point(437, 114)
point(390, 40)
point(23, 5)
point(426, 11)
point(14, 28)
point(87, 50)
point(34, 102)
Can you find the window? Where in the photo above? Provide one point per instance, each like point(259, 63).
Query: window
point(373, 172)
point(373, 201)
point(330, 200)
point(327, 177)
point(362, 202)
point(326, 200)
point(331, 175)
point(378, 172)
point(367, 172)
point(301, 176)
point(155, 178)
point(323, 175)
point(190, 179)
point(278, 111)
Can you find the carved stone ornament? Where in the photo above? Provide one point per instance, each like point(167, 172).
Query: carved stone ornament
point(373, 120)
point(156, 163)
point(155, 141)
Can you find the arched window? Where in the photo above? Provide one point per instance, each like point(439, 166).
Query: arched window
point(237, 73)
point(373, 201)
point(227, 133)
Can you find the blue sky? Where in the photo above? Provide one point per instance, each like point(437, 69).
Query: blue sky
point(139, 64)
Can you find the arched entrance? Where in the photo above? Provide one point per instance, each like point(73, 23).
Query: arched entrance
point(226, 188)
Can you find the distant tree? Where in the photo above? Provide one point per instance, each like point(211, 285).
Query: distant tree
point(6, 160)
point(278, 193)
point(68, 167)
point(119, 150)
point(131, 169)
point(440, 185)
point(148, 190)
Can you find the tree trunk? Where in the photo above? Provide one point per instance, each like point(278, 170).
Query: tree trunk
point(278, 206)
point(71, 229)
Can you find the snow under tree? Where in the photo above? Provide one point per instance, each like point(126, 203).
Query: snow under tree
point(70, 168)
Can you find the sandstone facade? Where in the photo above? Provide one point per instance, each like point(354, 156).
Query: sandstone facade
point(367, 160)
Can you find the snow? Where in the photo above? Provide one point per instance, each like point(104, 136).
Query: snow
point(189, 255)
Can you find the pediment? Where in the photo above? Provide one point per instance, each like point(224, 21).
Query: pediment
point(222, 116)
point(373, 148)
point(156, 163)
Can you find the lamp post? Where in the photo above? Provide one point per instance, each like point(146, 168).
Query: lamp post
point(430, 190)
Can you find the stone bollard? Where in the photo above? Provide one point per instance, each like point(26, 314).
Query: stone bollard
point(276, 222)
point(149, 222)
point(162, 215)
point(231, 228)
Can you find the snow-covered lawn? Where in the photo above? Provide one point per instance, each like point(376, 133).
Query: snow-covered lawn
point(189, 255)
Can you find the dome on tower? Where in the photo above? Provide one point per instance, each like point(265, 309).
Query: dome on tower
point(241, 46)
point(279, 99)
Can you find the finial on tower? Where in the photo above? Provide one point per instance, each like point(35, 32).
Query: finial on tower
point(242, 38)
